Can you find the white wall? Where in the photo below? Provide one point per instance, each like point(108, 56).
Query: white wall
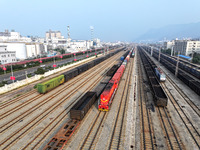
point(20, 49)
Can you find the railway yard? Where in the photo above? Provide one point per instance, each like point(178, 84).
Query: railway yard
point(135, 119)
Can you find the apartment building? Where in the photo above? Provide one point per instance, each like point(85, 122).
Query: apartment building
point(186, 47)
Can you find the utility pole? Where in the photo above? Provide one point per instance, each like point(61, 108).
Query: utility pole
point(159, 56)
point(177, 65)
point(172, 50)
point(12, 73)
point(151, 50)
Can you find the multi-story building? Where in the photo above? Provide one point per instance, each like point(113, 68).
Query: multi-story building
point(79, 45)
point(54, 39)
point(186, 47)
point(25, 50)
point(168, 45)
point(7, 36)
point(6, 56)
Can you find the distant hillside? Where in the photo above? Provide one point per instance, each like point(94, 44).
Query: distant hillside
point(171, 32)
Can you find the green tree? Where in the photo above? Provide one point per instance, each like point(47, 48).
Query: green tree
point(40, 71)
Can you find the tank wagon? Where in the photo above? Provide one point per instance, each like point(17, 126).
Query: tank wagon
point(66, 76)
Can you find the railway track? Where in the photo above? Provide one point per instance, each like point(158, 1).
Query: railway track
point(147, 133)
point(10, 140)
point(89, 139)
point(117, 137)
point(169, 129)
point(93, 134)
point(21, 97)
point(184, 96)
point(193, 131)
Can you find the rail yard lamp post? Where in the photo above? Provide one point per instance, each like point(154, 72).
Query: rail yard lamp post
point(54, 65)
point(151, 50)
point(12, 77)
point(172, 50)
point(177, 65)
point(75, 57)
point(159, 55)
point(26, 74)
point(87, 53)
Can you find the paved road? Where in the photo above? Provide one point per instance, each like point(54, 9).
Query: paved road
point(21, 74)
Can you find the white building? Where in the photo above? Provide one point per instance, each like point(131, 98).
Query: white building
point(7, 36)
point(6, 56)
point(54, 39)
point(34, 49)
point(186, 47)
point(79, 45)
point(25, 50)
point(97, 43)
point(169, 44)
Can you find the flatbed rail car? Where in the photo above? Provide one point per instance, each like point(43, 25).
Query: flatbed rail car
point(79, 110)
point(51, 84)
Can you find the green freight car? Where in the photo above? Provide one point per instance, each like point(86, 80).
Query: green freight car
point(49, 85)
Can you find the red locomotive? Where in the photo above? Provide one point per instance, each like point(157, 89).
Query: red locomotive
point(109, 92)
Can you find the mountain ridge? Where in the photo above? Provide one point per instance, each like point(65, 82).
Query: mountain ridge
point(191, 30)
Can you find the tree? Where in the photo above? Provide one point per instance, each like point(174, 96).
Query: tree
point(40, 71)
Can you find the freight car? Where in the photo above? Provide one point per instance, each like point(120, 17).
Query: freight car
point(160, 98)
point(51, 84)
point(70, 74)
point(79, 110)
point(109, 92)
point(168, 62)
point(159, 73)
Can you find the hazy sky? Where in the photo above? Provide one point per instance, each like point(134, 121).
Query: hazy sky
point(112, 19)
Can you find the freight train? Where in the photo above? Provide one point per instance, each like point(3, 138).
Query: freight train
point(186, 66)
point(108, 94)
point(160, 98)
point(170, 64)
point(53, 83)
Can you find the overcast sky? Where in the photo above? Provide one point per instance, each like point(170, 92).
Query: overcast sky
point(112, 19)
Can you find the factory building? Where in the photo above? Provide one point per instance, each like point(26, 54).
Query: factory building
point(6, 56)
point(24, 50)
